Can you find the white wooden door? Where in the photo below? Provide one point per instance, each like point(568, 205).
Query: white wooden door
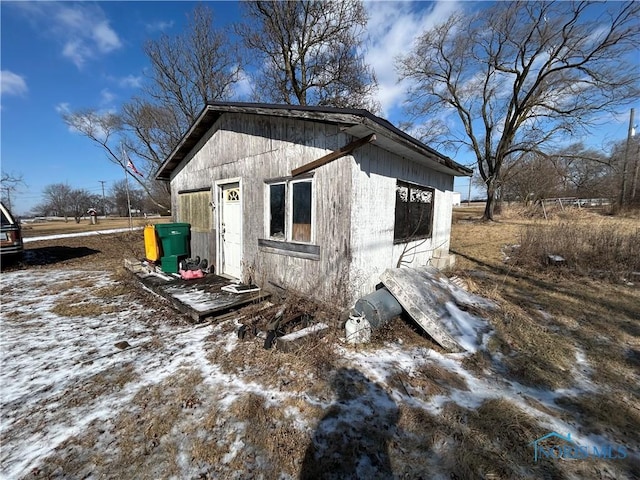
point(231, 231)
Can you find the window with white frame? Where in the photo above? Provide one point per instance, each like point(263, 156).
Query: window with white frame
point(290, 215)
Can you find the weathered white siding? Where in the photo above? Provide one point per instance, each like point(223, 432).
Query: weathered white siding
point(373, 181)
point(255, 149)
point(354, 203)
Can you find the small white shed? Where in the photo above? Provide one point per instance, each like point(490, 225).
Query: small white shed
point(315, 199)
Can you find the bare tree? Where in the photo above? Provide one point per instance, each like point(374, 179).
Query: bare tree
point(520, 75)
point(187, 71)
point(311, 52)
point(587, 173)
point(106, 130)
point(625, 162)
point(121, 199)
point(80, 200)
point(57, 198)
point(530, 177)
point(9, 183)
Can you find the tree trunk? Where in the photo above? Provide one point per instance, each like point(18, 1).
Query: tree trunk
point(491, 201)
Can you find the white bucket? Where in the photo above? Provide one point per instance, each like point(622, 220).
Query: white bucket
point(358, 329)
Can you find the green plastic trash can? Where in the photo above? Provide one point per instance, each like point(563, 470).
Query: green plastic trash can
point(175, 244)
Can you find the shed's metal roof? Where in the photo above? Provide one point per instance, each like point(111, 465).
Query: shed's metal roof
point(357, 123)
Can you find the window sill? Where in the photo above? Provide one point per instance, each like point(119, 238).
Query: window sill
point(411, 239)
point(300, 250)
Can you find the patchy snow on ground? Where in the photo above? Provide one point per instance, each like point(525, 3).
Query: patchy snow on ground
point(81, 234)
point(49, 360)
point(61, 373)
point(379, 364)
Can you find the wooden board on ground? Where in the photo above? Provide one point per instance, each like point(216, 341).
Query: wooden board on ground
point(414, 290)
point(200, 298)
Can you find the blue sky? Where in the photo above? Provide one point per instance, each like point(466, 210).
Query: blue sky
point(67, 55)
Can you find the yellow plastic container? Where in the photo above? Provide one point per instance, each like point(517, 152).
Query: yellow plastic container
point(151, 247)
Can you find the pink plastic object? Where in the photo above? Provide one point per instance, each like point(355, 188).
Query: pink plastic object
point(191, 274)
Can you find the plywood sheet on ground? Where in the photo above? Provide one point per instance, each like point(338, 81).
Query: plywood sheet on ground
point(199, 298)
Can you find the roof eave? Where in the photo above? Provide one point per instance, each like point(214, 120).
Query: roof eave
point(211, 112)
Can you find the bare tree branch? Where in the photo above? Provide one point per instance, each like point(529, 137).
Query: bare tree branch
point(520, 76)
point(312, 52)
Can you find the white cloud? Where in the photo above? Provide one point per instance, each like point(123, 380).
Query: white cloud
point(82, 29)
point(105, 38)
point(63, 108)
point(130, 81)
point(159, 26)
point(12, 83)
point(77, 52)
point(244, 88)
point(392, 28)
point(107, 97)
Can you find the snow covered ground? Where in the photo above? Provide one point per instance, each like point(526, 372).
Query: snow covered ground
point(81, 234)
point(69, 394)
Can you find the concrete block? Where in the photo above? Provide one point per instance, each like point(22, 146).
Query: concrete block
point(444, 263)
point(440, 253)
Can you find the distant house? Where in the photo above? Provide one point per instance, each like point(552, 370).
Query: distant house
point(455, 199)
point(314, 199)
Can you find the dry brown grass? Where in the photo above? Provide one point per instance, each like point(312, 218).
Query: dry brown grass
point(533, 354)
point(609, 250)
point(270, 435)
point(70, 307)
point(603, 414)
point(103, 383)
point(547, 316)
point(488, 442)
point(143, 443)
point(429, 379)
point(491, 441)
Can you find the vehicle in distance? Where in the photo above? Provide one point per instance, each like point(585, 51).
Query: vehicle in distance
point(11, 246)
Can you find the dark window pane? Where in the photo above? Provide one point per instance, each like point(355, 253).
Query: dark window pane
point(414, 212)
point(301, 212)
point(276, 202)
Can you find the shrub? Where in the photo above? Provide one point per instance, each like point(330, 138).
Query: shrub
point(601, 250)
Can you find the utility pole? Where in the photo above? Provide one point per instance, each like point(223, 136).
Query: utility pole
point(636, 156)
point(104, 201)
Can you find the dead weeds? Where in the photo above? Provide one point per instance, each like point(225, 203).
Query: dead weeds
point(273, 441)
point(604, 414)
point(87, 308)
